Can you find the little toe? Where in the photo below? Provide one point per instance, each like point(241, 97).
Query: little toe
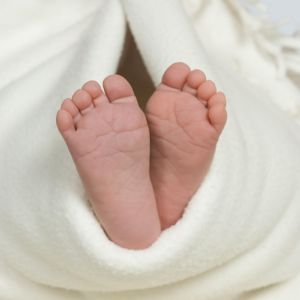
point(118, 89)
point(206, 90)
point(193, 81)
point(217, 115)
point(176, 75)
point(65, 122)
point(83, 101)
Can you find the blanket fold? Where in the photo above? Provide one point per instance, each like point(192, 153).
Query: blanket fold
point(240, 231)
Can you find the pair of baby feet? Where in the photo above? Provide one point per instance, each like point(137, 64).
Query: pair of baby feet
point(141, 169)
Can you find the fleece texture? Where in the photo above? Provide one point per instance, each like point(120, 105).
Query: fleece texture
point(239, 237)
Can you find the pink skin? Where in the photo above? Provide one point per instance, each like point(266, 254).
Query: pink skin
point(108, 137)
point(186, 116)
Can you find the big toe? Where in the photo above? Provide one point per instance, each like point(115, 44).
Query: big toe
point(175, 76)
point(118, 89)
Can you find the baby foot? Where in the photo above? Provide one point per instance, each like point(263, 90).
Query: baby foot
point(108, 138)
point(186, 117)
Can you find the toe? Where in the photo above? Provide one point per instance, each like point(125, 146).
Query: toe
point(118, 89)
point(193, 81)
point(69, 106)
point(217, 111)
point(95, 91)
point(206, 90)
point(217, 98)
point(65, 122)
point(93, 88)
point(83, 101)
point(195, 78)
point(176, 75)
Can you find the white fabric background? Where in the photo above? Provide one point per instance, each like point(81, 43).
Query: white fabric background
point(285, 12)
point(240, 231)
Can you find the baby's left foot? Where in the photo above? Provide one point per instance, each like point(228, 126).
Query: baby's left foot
point(186, 116)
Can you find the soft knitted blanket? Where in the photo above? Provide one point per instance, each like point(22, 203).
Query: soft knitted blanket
point(239, 237)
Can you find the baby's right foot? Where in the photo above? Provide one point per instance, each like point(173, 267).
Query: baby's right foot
point(108, 138)
point(186, 116)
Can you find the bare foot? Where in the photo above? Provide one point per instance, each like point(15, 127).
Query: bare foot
point(108, 138)
point(186, 115)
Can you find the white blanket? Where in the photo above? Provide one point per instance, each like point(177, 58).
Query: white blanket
point(240, 232)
